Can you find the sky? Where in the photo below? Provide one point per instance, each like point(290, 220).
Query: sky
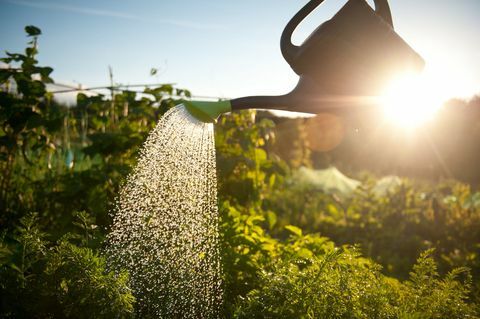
point(223, 48)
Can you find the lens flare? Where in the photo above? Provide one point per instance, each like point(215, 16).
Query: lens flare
point(411, 100)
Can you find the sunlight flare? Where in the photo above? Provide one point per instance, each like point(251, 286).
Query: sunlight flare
point(411, 100)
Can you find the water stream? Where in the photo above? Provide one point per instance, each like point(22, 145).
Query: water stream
point(165, 225)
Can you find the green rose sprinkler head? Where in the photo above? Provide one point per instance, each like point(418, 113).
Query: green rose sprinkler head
point(207, 112)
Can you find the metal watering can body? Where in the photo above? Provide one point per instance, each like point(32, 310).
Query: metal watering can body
point(342, 64)
point(354, 53)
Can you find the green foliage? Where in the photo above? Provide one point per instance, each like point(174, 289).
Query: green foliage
point(340, 284)
point(56, 159)
point(393, 228)
point(337, 284)
point(429, 296)
point(32, 30)
point(246, 172)
point(24, 115)
point(79, 285)
point(41, 279)
point(87, 233)
point(246, 251)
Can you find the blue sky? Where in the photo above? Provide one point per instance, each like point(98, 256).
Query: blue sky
point(222, 48)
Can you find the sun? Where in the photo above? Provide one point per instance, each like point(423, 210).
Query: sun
point(411, 100)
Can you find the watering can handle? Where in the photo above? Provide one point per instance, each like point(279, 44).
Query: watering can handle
point(289, 49)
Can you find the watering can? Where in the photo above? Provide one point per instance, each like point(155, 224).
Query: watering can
point(343, 64)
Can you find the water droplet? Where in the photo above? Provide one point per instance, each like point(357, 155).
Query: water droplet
point(165, 224)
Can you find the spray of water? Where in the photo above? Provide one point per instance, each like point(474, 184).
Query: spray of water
point(165, 225)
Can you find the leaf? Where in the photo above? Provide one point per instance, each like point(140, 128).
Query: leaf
point(15, 56)
point(31, 51)
point(260, 155)
point(45, 73)
point(32, 30)
point(333, 210)
point(271, 180)
point(304, 253)
point(19, 119)
point(16, 268)
point(254, 218)
point(53, 125)
point(7, 142)
point(271, 218)
point(64, 285)
point(4, 75)
point(6, 60)
point(31, 88)
point(294, 230)
point(5, 254)
point(34, 120)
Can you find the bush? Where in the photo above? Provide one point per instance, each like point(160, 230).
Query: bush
point(41, 279)
point(341, 284)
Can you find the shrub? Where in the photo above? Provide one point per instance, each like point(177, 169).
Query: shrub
point(341, 284)
point(41, 279)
